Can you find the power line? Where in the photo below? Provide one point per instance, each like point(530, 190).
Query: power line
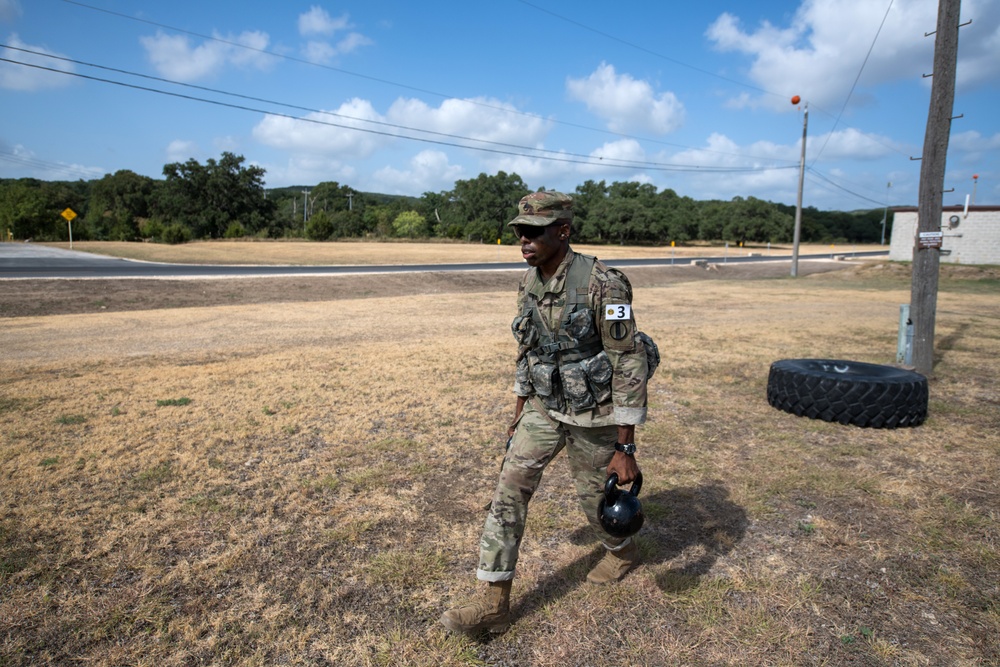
point(841, 187)
point(647, 51)
point(718, 76)
point(855, 84)
point(404, 86)
point(626, 163)
point(600, 161)
point(38, 163)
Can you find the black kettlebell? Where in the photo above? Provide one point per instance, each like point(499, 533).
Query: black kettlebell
point(620, 511)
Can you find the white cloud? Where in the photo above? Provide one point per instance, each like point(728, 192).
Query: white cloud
point(819, 53)
point(227, 143)
point(428, 171)
point(979, 44)
point(323, 52)
point(972, 150)
point(614, 152)
point(352, 42)
point(21, 77)
point(627, 104)
point(316, 24)
point(21, 162)
point(329, 134)
point(318, 52)
point(317, 21)
point(309, 169)
point(484, 119)
point(9, 10)
point(175, 57)
point(722, 152)
point(973, 141)
point(181, 150)
point(481, 118)
point(851, 144)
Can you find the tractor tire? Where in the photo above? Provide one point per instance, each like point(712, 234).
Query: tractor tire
point(848, 392)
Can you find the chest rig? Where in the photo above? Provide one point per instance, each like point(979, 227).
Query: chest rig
point(566, 367)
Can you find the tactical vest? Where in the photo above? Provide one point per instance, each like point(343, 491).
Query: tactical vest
point(568, 368)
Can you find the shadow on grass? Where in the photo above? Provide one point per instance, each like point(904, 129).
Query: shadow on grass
point(701, 519)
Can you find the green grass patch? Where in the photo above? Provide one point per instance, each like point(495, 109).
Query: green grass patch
point(155, 476)
point(49, 461)
point(70, 420)
point(184, 400)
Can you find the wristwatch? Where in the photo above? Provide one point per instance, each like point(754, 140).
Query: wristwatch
point(627, 449)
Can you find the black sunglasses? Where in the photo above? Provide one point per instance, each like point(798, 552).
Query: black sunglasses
point(530, 231)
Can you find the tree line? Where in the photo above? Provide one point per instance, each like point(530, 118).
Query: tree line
point(226, 198)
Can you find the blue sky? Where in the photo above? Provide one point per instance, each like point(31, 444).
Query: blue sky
point(689, 96)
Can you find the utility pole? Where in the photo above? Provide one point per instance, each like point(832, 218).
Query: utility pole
point(885, 213)
point(350, 201)
point(926, 250)
point(797, 234)
point(305, 206)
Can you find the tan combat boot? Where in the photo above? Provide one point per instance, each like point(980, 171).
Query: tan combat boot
point(490, 612)
point(615, 564)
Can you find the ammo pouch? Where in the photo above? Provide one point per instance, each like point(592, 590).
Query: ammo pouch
point(652, 354)
point(543, 376)
point(545, 381)
point(524, 331)
point(580, 325)
point(598, 370)
point(574, 383)
point(522, 374)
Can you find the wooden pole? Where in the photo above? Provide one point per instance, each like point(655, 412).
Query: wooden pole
point(797, 231)
point(926, 255)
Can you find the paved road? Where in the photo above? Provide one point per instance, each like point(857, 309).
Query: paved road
point(27, 260)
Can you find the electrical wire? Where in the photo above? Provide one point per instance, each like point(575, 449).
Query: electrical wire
point(404, 86)
point(590, 161)
point(813, 172)
point(718, 76)
point(38, 163)
point(624, 163)
point(855, 84)
point(645, 50)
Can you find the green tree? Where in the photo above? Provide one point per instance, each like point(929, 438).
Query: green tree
point(410, 224)
point(587, 202)
point(331, 196)
point(207, 198)
point(479, 208)
point(319, 227)
point(117, 204)
point(754, 220)
point(23, 210)
point(348, 224)
point(627, 215)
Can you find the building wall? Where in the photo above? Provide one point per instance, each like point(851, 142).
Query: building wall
point(978, 243)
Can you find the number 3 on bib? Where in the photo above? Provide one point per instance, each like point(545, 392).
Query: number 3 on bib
point(620, 311)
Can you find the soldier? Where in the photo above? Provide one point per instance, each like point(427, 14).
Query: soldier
point(580, 384)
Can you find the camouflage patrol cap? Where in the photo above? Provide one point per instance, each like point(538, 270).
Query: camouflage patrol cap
point(541, 209)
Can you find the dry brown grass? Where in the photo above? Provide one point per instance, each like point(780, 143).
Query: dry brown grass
point(364, 253)
point(316, 500)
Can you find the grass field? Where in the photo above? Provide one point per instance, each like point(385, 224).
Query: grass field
point(302, 483)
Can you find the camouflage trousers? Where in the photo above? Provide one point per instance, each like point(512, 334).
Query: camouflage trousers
point(536, 443)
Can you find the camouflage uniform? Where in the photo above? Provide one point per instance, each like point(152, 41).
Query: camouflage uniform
point(548, 424)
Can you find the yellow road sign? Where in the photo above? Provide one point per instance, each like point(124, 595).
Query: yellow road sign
point(69, 214)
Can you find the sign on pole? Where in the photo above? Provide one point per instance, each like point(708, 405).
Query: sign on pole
point(69, 214)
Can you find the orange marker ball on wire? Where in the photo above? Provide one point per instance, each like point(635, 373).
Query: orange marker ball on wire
point(796, 99)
